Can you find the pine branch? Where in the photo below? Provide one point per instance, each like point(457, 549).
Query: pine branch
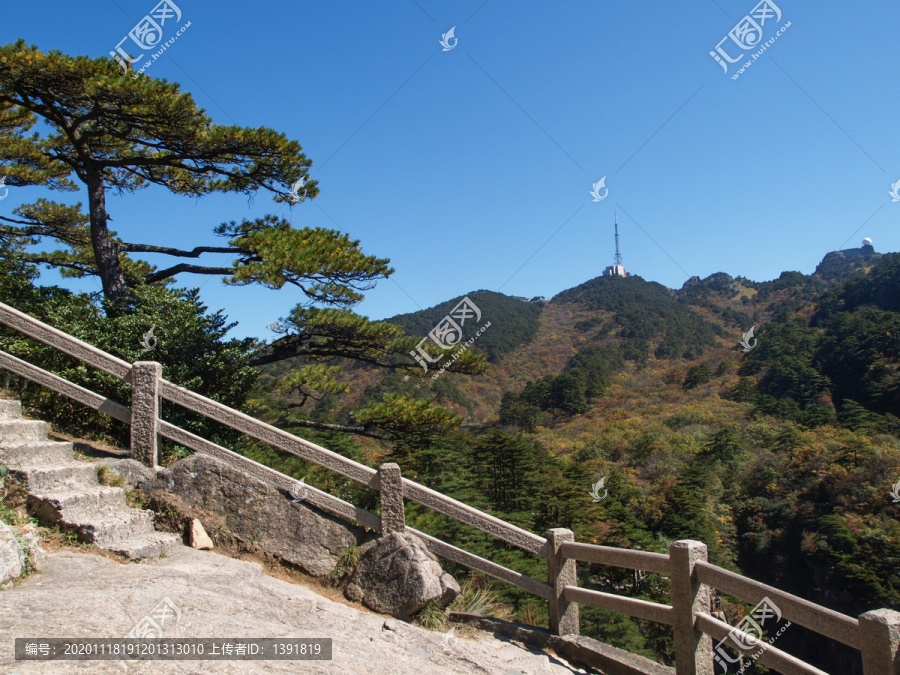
point(359, 431)
point(87, 270)
point(194, 253)
point(185, 267)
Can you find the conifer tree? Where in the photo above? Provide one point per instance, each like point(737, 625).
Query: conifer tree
point(71, 123)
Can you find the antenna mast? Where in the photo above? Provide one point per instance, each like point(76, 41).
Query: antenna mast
point(618, 260)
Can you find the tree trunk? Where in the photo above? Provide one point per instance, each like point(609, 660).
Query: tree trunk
point(106, 253)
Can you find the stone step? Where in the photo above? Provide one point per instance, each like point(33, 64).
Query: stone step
point(65, 491)
point(49, 506)
point(105, 528)
point(36, 453)
point(150, 545)
point(50, 477)
point(14, 432)
point(10, 410)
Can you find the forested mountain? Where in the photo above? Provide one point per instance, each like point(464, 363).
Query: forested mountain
point(762, 418)
point(645, 314)
point(519, 319)
point(780, 458)
point(839, 364)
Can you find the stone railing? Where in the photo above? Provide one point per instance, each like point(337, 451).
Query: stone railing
point(876, 634)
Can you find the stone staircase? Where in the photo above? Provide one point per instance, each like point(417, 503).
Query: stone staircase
point(64, 491)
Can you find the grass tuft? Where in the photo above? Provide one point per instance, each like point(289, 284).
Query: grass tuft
point(346, 565)
point(478, 597)
point(107, 476)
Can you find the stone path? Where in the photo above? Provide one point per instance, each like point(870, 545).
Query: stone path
point(86, 595)
point(65, 491)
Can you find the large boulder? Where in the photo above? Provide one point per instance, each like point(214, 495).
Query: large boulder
point(253, 510)
point(12, 557)
point(397, 575)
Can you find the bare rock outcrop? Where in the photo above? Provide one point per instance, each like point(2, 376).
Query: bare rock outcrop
point(12, 557)
point(18, 544)
point(82, 595)
point(253, 510)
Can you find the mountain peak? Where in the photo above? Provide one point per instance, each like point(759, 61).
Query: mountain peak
point(844, 264)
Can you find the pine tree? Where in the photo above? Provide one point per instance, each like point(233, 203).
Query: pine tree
point(75, 122)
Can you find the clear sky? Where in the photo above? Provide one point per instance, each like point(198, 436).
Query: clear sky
point(471, 168)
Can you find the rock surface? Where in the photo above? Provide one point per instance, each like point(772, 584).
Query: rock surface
point(197, 537)
point(255, 511)
point(12, 557)
point(130, 469)
point(83, 595)
point(33, 541)
point(397, 575)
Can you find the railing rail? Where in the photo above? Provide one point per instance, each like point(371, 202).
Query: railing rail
point(64, 342)
point(276, 479)
point(824, 621)
point(876, 633)
point(640, 609)
point(76, 392)
point(274, 436)
point(511, 534)
point(770, 656)
point(644, 561)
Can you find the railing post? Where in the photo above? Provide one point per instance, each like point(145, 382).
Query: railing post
point(693, 649)
point(563, 614)
point(145, 376)
point(393, 515)
point(879, 639)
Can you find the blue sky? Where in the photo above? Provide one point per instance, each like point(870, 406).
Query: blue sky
point(471, 168)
